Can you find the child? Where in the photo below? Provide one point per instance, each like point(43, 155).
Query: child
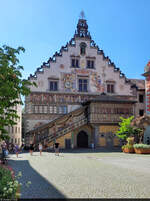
point(40, 148)
point(16, 149)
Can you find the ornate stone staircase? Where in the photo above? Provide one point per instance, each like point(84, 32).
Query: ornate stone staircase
point(57, 128)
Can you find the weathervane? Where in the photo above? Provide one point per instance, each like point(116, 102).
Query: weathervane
point(82, 15)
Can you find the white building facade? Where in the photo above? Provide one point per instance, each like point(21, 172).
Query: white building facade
point(77, 73)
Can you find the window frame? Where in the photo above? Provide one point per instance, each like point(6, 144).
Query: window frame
point(141, 110)
point(76, 63)
point(83, 45)
point(54, 82)
point(141, 100)
point(90, 64)
point(111, 88)
point(82, 84)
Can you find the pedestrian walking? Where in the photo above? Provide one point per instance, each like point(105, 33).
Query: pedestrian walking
point(12, 148)
point(57, 149)
point(31, 149)
point(16, 149)
point(22, 147)
point(40, 148)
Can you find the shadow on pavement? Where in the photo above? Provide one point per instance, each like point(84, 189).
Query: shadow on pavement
point(39, 188)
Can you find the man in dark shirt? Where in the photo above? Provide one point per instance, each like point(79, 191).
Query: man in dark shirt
point(57, 149)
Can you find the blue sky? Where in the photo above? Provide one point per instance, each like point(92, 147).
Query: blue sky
point(120, 27)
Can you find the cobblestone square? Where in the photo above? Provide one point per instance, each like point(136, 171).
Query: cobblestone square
point(83, 174)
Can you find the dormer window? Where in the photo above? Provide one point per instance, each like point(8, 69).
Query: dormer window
point(83, 48)
point(53, 84)
point(90, 63)
point(110, 87)
point(75, 61)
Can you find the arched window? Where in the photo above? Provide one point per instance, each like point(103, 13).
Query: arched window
point(82, 48)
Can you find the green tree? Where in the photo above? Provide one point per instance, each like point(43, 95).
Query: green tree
point(12, 86)
point(126, 130)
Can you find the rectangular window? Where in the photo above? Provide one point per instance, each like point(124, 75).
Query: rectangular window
point(45, 109)
point(110, 88)
point(51, 109)
point(53, 86)
point(40, 109)
point(60, 110)
point(141, 112)
point(141, 98)
point(55, 109)
point(90, 64)
point(65, 109)
point(75, 63)
point(36, 109)
point(83, 85)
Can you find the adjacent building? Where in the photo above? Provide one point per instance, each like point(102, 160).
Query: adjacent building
point(80, 96)
point(15, 132)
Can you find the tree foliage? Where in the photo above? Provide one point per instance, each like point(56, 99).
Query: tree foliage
point(126, 130)
point(12, 86)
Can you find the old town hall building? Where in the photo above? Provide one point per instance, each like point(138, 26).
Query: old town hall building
point(80, 96)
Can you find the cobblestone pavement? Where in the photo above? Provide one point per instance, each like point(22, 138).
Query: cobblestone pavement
point(83, 175)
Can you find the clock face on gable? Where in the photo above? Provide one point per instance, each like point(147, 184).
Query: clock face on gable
point(68, 84)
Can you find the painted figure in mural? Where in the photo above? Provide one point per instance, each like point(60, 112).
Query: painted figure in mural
point(57, 149)
point(40, 148)
point(31, 149)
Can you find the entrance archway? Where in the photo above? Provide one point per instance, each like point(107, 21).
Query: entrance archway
point(82, 139)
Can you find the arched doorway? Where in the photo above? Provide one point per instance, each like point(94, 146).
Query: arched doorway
point(82, 139)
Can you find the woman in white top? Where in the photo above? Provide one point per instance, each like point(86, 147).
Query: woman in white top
point(40, 148)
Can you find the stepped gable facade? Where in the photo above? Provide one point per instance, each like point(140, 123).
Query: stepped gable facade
point(80, 76)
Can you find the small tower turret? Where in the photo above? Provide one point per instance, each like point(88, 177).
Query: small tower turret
point(82, 27)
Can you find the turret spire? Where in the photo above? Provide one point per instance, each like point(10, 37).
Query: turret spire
point(82, 15)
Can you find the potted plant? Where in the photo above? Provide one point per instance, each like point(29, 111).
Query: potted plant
point(128, 148)
point(141, 148)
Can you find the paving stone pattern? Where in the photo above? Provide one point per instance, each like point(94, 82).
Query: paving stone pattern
point(83, 174)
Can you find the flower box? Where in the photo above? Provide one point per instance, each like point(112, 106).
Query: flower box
point(142, 150)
